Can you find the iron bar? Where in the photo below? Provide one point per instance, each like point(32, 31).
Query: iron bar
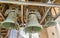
point(30, 35)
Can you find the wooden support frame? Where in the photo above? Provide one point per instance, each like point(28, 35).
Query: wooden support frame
point(46, 31)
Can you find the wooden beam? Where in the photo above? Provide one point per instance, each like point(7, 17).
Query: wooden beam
point(22, 14)
point(31, 3)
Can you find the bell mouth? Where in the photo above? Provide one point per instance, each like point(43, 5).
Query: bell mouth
point(33, 29)
point(9, 25)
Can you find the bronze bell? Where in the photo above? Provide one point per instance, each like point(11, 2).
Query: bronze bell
point(11, 20)
point(33, 25)
point(50, 21)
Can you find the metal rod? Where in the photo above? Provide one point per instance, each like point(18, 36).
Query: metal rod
point(18, 32)
point(30, 35)
point(31, 3)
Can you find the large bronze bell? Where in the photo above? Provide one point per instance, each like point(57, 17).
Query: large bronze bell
point(33, 25)
point(11, 20)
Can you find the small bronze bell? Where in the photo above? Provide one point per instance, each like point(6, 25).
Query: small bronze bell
point(50, 22)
